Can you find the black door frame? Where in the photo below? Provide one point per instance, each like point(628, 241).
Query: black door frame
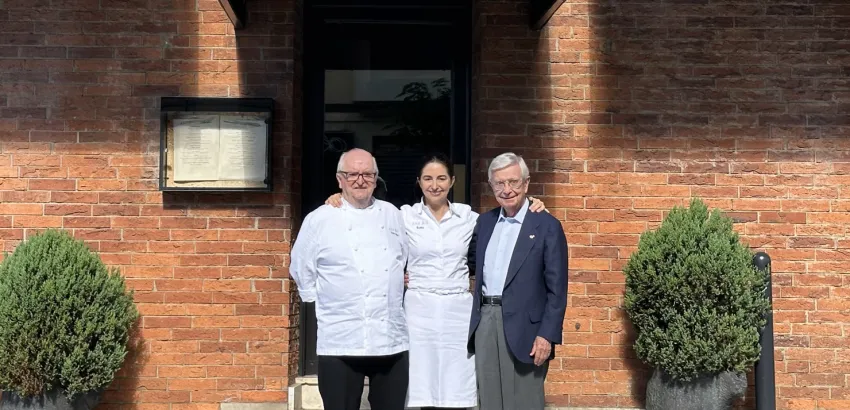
point(457, 16)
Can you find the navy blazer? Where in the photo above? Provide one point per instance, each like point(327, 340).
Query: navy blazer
point(534, 300)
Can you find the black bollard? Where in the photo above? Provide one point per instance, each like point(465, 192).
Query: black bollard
point(765, 374)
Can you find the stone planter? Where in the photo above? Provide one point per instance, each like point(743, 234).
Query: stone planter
point(51, 400)
point(715, 392)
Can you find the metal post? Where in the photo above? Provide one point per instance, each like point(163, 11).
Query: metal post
point(765, 376)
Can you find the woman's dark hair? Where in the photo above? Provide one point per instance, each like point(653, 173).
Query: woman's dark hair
point(439, 158)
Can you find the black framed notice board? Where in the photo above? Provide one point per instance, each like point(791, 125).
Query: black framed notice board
point(215, 144)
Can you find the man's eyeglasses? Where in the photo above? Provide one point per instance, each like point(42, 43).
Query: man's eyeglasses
point(354, 176)
point(500, 186)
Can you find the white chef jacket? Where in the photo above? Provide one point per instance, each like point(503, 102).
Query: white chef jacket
point(351, 263)
point(438, 306)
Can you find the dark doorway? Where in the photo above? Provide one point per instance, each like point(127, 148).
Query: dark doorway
point(391, 77)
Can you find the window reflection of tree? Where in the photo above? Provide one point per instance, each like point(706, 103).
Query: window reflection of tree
point(417, 112)
point(418, 122)
point(422, 114)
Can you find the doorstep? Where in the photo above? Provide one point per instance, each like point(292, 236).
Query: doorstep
point(304, 395)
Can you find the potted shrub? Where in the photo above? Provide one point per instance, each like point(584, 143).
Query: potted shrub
point(697, 304)
point(65, 323)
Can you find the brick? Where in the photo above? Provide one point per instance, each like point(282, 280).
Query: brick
point(232, 371)
point(167, 322)
point(164, 397)
point(191, 384)
point(224, 347)
point(182, 371)
point(236, 297)
point(174, 347)
point(244, 334)
point(217, 322)
point(257, 359)
point(196, 334)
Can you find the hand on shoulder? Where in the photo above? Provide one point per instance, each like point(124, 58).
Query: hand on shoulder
point(334, 200)
point(536, 205)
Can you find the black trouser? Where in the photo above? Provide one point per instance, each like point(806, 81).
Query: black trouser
point(341, 381)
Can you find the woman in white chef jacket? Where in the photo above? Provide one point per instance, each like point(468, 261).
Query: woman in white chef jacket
point(438, 302)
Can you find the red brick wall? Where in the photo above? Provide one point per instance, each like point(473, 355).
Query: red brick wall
point(80, 82)
point(622, 108)
point(627, 108)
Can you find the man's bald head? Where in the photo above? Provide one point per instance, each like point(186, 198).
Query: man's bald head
point(355, 156)
point(357, 172)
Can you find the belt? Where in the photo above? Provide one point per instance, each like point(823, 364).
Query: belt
point(491, 300)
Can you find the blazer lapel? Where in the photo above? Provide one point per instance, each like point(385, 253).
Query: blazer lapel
point(524, 242)
point(484, 234)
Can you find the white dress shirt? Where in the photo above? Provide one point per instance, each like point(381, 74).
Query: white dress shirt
point(500, 249)
point(351, 263)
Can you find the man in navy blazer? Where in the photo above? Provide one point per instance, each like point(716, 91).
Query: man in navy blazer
point(520, 299)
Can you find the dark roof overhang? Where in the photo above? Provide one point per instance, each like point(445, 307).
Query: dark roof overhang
point(540, 11)
point(235, 10)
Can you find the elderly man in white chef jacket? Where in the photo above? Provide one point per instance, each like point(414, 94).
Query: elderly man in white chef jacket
point(350, 261)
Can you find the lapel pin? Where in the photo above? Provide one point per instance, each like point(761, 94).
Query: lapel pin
point(530, 236)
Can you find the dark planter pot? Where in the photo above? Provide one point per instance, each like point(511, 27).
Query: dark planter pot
point(715, 392)
point(51, 400)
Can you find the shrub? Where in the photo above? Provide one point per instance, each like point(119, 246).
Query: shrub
point(694, 297)
point(65, 319)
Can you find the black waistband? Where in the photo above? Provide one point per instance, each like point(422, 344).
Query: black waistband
point(491, 300)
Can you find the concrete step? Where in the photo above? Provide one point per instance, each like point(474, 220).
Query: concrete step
point(304, 395)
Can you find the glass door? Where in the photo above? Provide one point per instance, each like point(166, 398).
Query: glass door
point(391, 78)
